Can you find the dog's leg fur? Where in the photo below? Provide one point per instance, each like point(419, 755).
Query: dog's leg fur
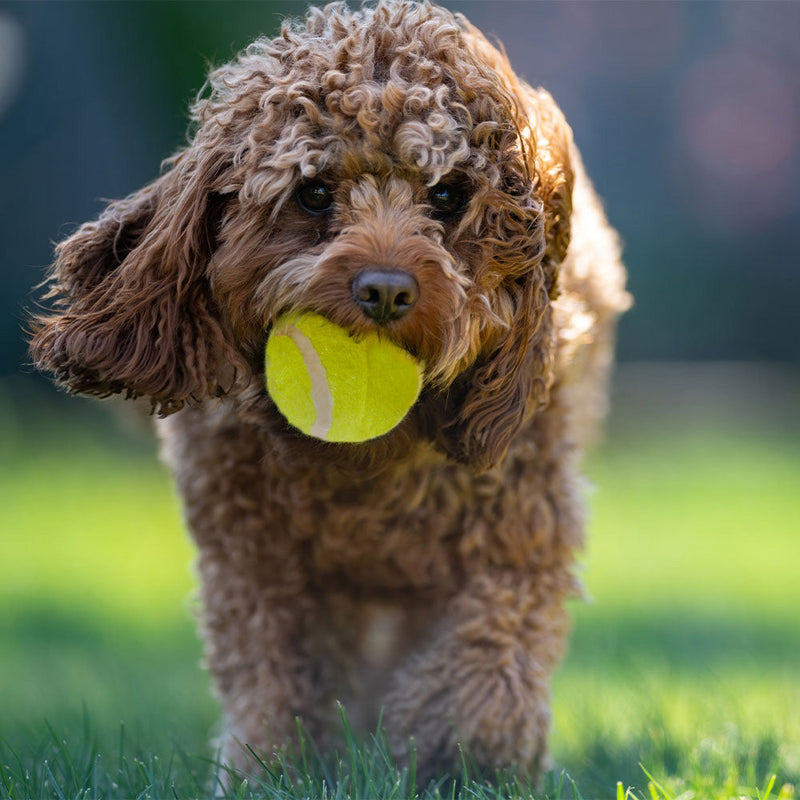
point(256, 608)
point(485, 682)
point(483, 679)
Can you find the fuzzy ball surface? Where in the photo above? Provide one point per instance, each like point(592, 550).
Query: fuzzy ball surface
point(334, 386)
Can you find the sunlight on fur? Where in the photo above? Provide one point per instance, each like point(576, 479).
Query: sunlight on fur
point(424, 573)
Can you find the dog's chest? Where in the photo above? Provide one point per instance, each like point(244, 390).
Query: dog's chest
point(396, 531)
point(420, 525)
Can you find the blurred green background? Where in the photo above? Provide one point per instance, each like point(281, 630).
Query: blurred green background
point(688, 116)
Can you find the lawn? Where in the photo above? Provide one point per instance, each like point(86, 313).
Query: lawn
point(684, 669)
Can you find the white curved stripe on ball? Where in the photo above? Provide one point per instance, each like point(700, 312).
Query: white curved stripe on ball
point(320, 390)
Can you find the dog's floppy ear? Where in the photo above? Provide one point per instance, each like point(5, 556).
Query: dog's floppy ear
point(512, 381)
point(131, 308)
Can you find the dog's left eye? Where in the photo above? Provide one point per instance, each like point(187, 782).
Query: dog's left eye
point(315, 198)
point(447, 200)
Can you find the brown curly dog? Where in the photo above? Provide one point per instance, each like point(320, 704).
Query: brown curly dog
point(425, 572)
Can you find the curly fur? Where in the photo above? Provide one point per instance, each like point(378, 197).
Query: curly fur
point(425, 572)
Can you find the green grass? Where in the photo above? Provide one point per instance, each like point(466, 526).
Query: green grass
point(683, 678)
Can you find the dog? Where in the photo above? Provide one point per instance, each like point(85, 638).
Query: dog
point(420, 577)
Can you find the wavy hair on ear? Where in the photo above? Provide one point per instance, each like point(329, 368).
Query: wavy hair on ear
point(514, 379)
point(131, 307)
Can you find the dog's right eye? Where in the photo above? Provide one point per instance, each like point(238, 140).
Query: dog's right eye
point(447, 200)
point(315, 198)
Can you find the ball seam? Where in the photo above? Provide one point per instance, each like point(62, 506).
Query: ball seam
point(320, 389)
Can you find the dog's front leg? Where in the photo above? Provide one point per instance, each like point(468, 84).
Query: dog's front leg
point(255, 623)
point(257, 609)
point(483, 684)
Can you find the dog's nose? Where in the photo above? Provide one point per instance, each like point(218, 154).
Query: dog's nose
point(385, 294)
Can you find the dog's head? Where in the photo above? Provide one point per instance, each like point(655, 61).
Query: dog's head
point(384, 168)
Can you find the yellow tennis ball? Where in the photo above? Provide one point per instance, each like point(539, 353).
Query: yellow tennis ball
point(335, 387)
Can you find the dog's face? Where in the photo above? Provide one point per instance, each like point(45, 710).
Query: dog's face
point(384, 168)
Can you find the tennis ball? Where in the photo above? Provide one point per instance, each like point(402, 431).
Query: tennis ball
point(335, 387)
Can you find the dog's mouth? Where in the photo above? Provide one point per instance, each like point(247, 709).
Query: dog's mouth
point(356, 327)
